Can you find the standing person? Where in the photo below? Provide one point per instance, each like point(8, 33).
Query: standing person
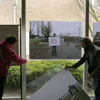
point(92, 56)
point(7, 55)
point(54, 48)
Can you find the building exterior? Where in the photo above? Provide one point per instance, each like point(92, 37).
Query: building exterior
point(53, 10)
point(41, 10)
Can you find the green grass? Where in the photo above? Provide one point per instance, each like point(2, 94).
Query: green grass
point(35, 41)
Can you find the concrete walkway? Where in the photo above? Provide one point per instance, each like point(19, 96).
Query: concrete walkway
point(64, 51)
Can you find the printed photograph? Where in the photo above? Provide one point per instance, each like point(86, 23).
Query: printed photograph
point(55, 39)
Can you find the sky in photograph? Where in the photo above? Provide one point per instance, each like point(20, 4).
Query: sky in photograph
point(64, 28)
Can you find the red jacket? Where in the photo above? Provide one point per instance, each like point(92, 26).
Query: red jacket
point(9, 55)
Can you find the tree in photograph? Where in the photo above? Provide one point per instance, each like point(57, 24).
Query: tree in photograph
point(46, 29)
point(31, 29)
point(38, 28)
point(42, 28)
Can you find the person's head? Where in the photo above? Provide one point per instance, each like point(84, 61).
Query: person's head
point(54, 34)
point(11, 40)
point(86, 42)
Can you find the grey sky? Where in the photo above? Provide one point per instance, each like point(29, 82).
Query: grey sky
point(67, 27)
point(64, 28)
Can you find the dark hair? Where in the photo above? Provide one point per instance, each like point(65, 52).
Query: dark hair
point(54, 34)
point(87, 41)
point(11, 39)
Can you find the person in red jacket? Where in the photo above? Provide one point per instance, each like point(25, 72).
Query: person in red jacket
point(7, 55)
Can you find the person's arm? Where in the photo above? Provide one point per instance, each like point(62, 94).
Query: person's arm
point(80, 62)
point(15, 58)
point(97, 70)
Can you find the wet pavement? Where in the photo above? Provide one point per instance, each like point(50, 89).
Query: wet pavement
point(66, 50)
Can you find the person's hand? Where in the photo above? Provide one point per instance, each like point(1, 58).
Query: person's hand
point(67, 67)
point(89, 77)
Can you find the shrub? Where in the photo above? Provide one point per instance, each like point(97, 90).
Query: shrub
point(35, 69)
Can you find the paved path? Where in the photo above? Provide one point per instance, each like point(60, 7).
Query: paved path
point(43, 51)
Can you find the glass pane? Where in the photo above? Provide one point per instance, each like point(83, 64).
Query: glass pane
point(94, 31)
point(9, 15)
point(12, 87)
point(90, 88)
point(39, 72)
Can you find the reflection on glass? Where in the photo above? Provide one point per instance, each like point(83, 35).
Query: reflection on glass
point(12, 87)
point(90, 88)
point(38, 73)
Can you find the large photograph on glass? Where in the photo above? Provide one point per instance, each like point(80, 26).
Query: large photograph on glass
point(96, 34)
point(55, 39)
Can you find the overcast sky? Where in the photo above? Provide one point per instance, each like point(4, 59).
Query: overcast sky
point(65, 28)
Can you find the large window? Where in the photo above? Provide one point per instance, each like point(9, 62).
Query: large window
point(53, 10)
point(12, 86)
point(9, 20)
point(39, 72)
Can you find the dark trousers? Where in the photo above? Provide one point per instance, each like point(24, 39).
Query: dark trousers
point(96, 83)
point(2, 80)
point(54, 51)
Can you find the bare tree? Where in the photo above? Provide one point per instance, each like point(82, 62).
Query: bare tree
point(31, 30)
point(38, 28)
point(42, 28)
point(46, 29)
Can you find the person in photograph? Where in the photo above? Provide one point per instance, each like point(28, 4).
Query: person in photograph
point(67, 43)
point(92, 56)
point(54, 48)
point(7, 55)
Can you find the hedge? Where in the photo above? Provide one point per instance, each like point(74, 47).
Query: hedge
point(34, 69)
